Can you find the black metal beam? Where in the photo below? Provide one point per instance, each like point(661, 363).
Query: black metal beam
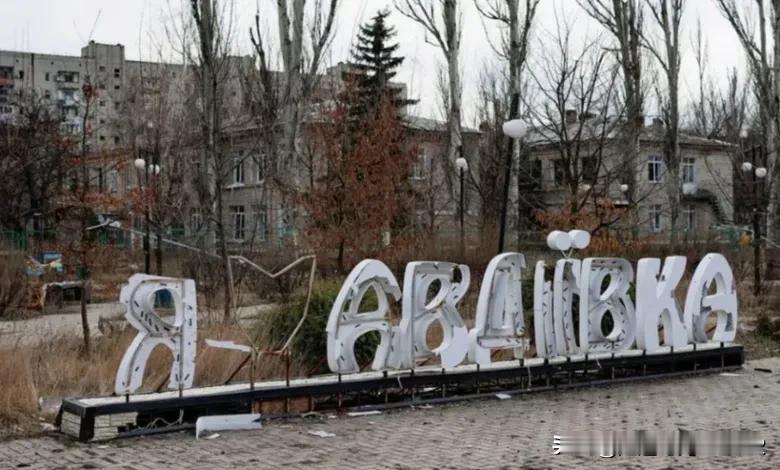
point(410, 387)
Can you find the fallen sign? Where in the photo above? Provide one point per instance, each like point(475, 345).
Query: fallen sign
point(613, 338)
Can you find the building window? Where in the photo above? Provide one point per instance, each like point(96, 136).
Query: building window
point(590, 170)
point(239, 222)
point(261, 222)
point(112, 181)
point(101, 103)
point(688, 168)
point(238, 171)
point(260, 171)
point(102, 68)
point(284, 226)
point(116, 140)
point(689, 216)
point(655, 166)
point(655, 218)
point(559, 176)
point(21, 74)
point(196, 219)
point(102, 138)
point(116, 87)
point(116, 73)
point(46, 76)
point(418, 166)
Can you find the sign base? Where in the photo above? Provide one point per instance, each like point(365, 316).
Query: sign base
point(105, 418)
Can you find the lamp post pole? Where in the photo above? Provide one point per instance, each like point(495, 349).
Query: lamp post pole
point(757, 174)
point(462, 165)
point(147, 220)
point(507, 174)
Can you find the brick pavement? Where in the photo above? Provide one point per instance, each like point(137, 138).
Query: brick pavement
point(515, 433)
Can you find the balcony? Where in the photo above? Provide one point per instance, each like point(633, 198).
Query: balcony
point(6, 82)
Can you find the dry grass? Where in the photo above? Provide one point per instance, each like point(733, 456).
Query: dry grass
point(57, 368)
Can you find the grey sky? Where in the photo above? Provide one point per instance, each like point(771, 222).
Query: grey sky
point(62, 27)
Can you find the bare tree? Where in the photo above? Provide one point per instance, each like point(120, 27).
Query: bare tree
point(32, 167)
point(492, 110)
point(623, 19)
point(441, 20)
point(516, 25)
point(289, 90)
point(752, 22)
point(668, 15)
point(574, 129)
point(214, 41)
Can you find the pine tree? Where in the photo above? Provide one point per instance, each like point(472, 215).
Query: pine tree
point(376, 60)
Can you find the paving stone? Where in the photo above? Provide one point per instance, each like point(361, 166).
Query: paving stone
point(490, 434)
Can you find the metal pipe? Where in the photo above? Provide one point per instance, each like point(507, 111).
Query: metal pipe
point(507, 175)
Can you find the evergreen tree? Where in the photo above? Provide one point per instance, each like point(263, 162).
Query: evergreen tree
point(376, 60)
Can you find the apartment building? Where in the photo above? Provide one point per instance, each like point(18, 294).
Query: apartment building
point(706, 167)
point(135, 99)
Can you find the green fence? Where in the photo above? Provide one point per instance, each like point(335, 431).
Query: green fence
point(21, 240)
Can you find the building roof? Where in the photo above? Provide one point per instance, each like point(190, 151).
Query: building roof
point(432, 125)
point(609, 129)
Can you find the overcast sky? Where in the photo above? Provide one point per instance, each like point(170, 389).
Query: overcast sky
point(64, 26)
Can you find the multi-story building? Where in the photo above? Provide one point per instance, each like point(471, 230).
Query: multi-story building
point(132, 97)
point(706, 175)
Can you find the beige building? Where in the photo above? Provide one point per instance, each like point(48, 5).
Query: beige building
point(597, 169)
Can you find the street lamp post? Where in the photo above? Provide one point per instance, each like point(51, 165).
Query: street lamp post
point(514, 129)
point(463, 165)
point(757, 174)
point(141, 166)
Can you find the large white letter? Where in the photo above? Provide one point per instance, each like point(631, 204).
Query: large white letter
point(499, 323)
point(699, 304)
point(346, 323)
point(544, 334)
point(418, 313)
point(180, 336)
point(596, 302)
point(655, 296)
point(566, 284)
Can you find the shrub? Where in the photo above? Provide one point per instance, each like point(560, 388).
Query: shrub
point(769, 327)
point(309, 347)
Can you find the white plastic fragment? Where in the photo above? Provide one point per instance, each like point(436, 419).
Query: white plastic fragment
point(320, 433)
point(212, 343)
point(238, 422)
point(503, 396)
point(354, 414)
